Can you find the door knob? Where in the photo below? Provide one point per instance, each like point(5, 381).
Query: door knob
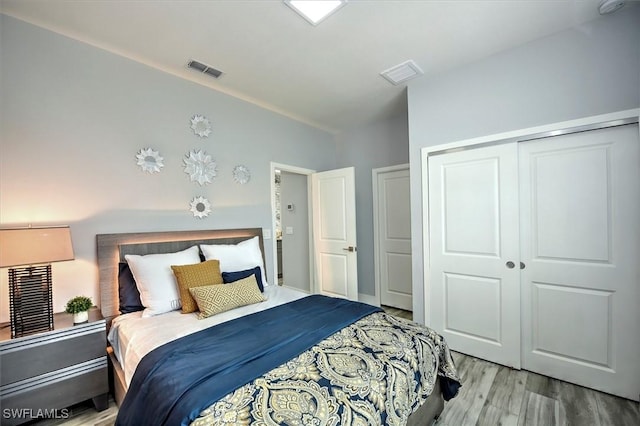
point(522, 265)
point(510, 265)
point(350, 248)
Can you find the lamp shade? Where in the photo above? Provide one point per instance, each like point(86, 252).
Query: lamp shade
point(31, 246)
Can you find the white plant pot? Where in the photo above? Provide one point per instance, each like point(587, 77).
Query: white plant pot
point(81, 317)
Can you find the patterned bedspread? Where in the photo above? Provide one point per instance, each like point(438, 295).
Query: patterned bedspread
point(376, 371)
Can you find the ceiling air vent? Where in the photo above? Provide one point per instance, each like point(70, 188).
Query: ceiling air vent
point(199, 66)
point(403, 72)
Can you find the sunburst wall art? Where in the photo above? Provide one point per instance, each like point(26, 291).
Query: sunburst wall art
point(200, 207)
point(200, 167)
point(201, 126)
point(149, 160)
point(241, 174)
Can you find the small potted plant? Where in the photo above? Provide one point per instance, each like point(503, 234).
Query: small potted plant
point(79, 307)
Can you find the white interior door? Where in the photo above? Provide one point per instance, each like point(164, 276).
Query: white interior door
point(580, 221)
point(334, 233)
point(474, 259)
point(393, 232)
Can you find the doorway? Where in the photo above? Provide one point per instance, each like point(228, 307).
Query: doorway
point(292, 226)
point(331, 221)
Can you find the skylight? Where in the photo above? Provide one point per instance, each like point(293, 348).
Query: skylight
point(315, 11)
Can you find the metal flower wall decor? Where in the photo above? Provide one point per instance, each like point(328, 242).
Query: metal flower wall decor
point(200, 167)
point(149, 160)
point(241, 174)
point(200, 207)
point(201, 126)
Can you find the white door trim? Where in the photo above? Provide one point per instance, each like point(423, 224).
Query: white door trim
point(274, 244)
point(376, 238)
point(603, 120)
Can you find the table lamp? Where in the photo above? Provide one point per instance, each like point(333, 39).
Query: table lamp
point(28, 253)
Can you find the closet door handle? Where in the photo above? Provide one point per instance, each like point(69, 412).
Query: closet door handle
point(350, 248)
point(522, 265)
point(510, 265)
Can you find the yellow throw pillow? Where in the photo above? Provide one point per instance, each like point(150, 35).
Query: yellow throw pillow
point(197, 275)
point(215, 299)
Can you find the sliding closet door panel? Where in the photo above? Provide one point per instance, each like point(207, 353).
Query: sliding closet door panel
point(580, 220)
point(473, 215)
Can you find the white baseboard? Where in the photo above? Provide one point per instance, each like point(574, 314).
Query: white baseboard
point(368, 299)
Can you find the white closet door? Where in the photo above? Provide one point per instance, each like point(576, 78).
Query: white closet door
point(473, 216)
point(580, 221)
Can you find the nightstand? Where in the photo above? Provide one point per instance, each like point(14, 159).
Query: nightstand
point(42, 374)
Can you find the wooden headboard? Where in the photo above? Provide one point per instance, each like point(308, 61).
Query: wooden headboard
point(113, 247)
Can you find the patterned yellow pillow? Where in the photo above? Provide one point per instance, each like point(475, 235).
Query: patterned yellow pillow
point(197, 275)
point(215, 299)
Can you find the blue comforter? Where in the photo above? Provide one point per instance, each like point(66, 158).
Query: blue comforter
point(183, 377)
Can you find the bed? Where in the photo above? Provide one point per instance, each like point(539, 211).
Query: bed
point(403, 371)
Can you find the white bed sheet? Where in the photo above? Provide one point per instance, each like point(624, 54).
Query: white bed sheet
point(132, 336)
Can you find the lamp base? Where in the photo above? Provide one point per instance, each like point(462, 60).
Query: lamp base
point(30, 300)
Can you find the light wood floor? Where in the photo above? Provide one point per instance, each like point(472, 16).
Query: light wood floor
point(84, 414)
point(398, 312)
point(491, 395)
point(495, 395)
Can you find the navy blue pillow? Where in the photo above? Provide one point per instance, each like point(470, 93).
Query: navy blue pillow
point(229, 277)
point(127, 291)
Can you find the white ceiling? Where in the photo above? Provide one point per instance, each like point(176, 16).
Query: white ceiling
point(326, 76)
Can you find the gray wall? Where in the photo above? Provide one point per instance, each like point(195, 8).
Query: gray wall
point(73, 119)
point(589, 70)
point(295, 247)
point(380, 144)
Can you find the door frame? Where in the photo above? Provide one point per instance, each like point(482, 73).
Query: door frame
point(300, 171)
point(376, 237)
point(421, 284)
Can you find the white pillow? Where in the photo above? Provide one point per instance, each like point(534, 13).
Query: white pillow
point(155, 279)
point(237, 257)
